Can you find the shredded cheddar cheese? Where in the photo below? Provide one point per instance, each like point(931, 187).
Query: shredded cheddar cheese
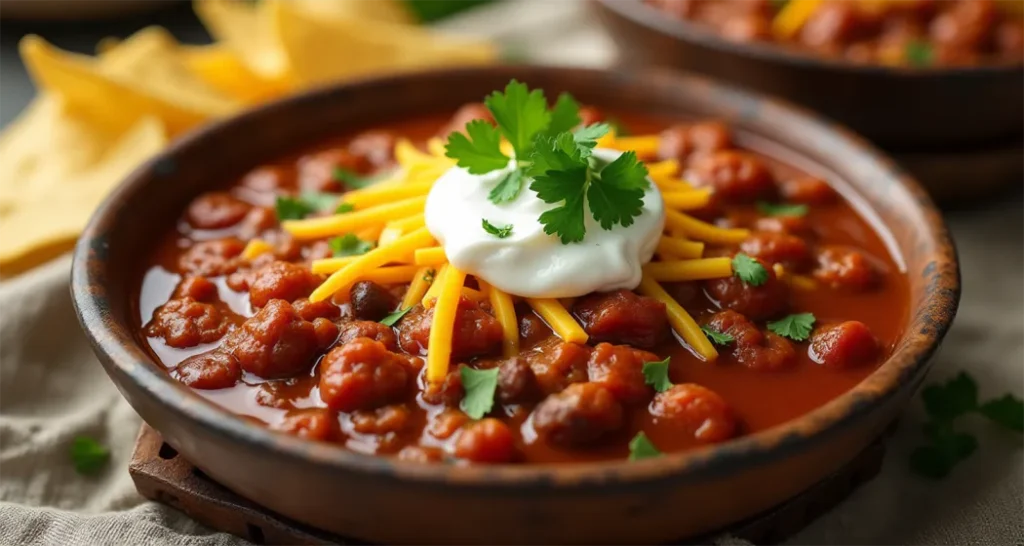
point(687, 200)
point(681, 321)
point(326, 266)
point(256, 247)
point(676, 248)
point(644, 146)
point(430, 256)
point(391, 275)
point(418, 287)
point(689, 270)
point(559, 319)
point(443, 324)
point(430, 297)
point(800, 282)
point(703, 231)
point(663, 169)
point(388, 235)
point(326, 226)
point(373, 259)
point(792, 16)
point(378, 195)
point(505, 312)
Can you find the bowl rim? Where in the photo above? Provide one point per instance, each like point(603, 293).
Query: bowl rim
point(120, 353)
point(687, 31)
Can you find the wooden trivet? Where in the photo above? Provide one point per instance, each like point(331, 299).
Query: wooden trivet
point(163, 476)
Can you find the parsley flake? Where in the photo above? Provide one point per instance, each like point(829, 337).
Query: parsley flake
point(88, 455)
point(640, 447)
point(499, 232)
point(716, 337)
point(749, 270)
point(480, 151)
point(656, 375)
point(349, 245)
point(782, 209)
point(796, 327)
point(480, 386)
point(393, 318)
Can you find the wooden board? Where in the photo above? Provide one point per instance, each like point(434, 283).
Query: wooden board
point(161, 475)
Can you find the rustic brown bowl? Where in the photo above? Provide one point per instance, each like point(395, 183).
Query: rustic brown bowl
point(382, 499)
point(908, 110)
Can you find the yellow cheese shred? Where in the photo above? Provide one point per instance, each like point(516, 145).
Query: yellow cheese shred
point(327, 266)
point(430, 256)
point(800, 282)
point(663, 169)
point(388, 235)
point(373, 259)
point(326, 226)
point(408, 155)
point(559, 319)
point(391, 275)
point(436, 147)
point(409, 223)
point(792, 16)
point(674, 247)
point(681, 321)
point(441, 327)
point(703, 231)
point(378, 195)
point(420, 283)
point(505, 311)
point(256, 247)
point(430, 297)
point(473, 294)
point(644, 146)
point(689, 270)
point(686, 200)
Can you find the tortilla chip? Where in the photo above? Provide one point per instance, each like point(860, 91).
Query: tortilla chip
point(387, 11)
point(245, 28)
point(321, 50)
point(141, 76)
point(223, 70)
point(54, 195)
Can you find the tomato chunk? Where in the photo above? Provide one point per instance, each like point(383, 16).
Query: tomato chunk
point(579, 415)
point(363, 375)
point(619, 368)
point(845, 345)
point(696, 411)
point(486, 441)
point(623, 317)
point(208, 371)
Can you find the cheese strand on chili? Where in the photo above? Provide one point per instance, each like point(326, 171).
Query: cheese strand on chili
point(442, 326)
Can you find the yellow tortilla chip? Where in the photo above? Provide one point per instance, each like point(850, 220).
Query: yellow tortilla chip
point(245, 28)
point(44, 214)
point(223, 70)
point(322, 50)
point(141, 76)
point(388, 11)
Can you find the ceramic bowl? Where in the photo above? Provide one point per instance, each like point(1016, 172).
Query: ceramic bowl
point(385, 500)
point(908, 110)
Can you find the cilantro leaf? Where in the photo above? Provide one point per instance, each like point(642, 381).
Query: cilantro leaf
point(565, 115)
point(616, 195)
point(499, 232)
point(586, 137)
point(521, 114)
point(947, 401)
point(559, 153)
point(393, 318)
point(349, 245)
point(749, 270)
point(355, 181)
point(656, 374)
point(291, 208)
point(480, 386)
point(918, 53)
point(508, 188)
point(947, 448)
point(567, 187)
point(782, 209)
point(640, 447)
point(1007, 411)
point(718, 338)
point(796, 327)
point(320, 201)
point(480, 152)
point(344, 207)
point(88, 455)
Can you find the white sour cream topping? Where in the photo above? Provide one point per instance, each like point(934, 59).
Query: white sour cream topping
point(529, 262)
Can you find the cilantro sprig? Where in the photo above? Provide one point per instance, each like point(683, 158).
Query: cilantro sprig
point(349, 245)
point(393, 318)
point(641, 447)
point(551, 148)
point(782, 209)
point(88, 455)
point(796, 327)
point(945, 403)
point(500, 232)
point(749, 270)
point(656, 374)
point(306, 203)
point(716, 337)
point(480, 386)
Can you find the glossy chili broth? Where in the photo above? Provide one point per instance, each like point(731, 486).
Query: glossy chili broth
point(759, 399)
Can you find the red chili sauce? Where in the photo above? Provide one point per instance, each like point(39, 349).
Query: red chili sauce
point(243, 334)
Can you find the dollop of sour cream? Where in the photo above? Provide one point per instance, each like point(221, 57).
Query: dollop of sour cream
point(529, 262)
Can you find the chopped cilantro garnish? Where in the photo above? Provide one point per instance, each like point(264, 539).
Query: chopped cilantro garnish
point(479, 386)
point(521, 115)
point(393, 318)
point(344, 207)
point(565, 115)
point(656, 374)
point(499, 232)
point(297, 208)
point(616, 194)
point(355, 181)
point(640, 447)
point(796, 327)
point(918, 53)
point(349, 245)
point(718, 338)
point(508, 187)
point(88, 455)
point(781, 209)
point(568, 187)
point(480, 151)
point(749, 270)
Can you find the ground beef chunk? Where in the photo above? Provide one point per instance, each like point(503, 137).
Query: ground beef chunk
point(351, 329)
point(579, 415)
point(476, 332)
point(363, 375)
point(619, 368)
point(371, 301)
point(810, 190)
point(211, 258)
point(384, 420)
point(623, 317)
point(964, 27)
point(682, 141)
point(313, 310)
point(267, 178)
point(695, 410)
point(276, 342)
point(208, 371)
point(845, 345)
point(532, 329)
point(185, 322)
point(486, 441)
point(735, 176)
point(283, 281)
point(376, 147)
point(557, 364)
point(311, 423)
point(757, 302)
point(197, 288)
point(516, 382)
point(778, 248)
point(847, 268)
point(216, 210)
point(447, 423)
point(448, 392)
point(752, 348)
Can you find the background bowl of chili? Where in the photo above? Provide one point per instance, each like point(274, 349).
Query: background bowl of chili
point(902, 109)
point(383, 499)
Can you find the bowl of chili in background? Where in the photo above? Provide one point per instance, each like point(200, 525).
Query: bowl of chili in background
point(559, 497)
point(972, 102)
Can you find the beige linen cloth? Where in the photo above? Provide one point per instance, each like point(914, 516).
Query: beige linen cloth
point(52, 388)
